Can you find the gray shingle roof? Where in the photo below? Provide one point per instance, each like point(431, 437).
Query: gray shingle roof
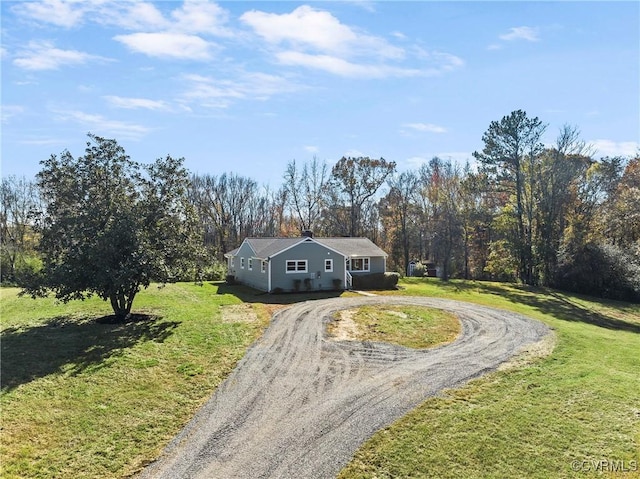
point(353, 246)
point(266, 247)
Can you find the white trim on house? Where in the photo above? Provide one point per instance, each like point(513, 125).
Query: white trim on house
point(307, 240)
point(366, 264)
point(296, 263)
point(328, 265)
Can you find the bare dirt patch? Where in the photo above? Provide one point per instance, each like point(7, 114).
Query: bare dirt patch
point(531, 352)
point(344, 328)
point(238, 313)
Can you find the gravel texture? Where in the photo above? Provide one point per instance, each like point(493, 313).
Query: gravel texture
point(299, 404)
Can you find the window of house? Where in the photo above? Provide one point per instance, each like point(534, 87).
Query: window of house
point(250, 264)
point(358, 264)
point(241, 263)
point(296, 266)
point(328, 265)
point(263, 266)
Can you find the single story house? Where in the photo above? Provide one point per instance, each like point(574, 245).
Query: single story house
point(304, 263)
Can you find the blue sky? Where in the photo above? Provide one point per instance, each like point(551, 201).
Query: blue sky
point(246, 87)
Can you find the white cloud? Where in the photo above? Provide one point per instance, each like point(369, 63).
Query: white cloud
point(45, 141)
point(201, 16)
point(58, 12)
point(613, 148)
point(214, 92)
point(367, 5)
point(9, 111)
point(305, 26)
point(130, 15)
point(137, 103)
point(311, 149)
point(521, 33)
point(168, 45)
point(193, 16)
point(341, 67)
point(45, 56)
point(316, 39)
point(354, 154)
point(425, 127)
point(103, 126)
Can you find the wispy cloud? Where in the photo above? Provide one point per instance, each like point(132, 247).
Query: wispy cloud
point(9, 111)
point(168, 45)
point(45, 56)
point(100, 125)
point(311, 149)
point(341, 67)
point(137, 103)
point(213, 92)
point(529, 34)
point(615, 148)
point(425, 127)
point(315, 39)
point(57, 12)
point(318, 30)
point(192, 16)
point(198, 16)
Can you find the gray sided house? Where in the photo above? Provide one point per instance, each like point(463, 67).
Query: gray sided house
point(304, 264)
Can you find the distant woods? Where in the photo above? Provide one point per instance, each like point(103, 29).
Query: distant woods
point(548, 215)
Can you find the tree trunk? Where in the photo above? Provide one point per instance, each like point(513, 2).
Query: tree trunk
point(121, 304)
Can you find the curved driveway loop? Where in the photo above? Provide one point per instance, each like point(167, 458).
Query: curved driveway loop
point(298, 405)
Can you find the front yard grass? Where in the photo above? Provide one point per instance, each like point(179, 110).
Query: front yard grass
point(411, 326)
point(85, 399)
point(575, 413)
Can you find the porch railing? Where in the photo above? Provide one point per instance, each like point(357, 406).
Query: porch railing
point(349, 284)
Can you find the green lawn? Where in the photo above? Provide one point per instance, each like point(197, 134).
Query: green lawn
point(86, 399)
point(581, 403)
point(411, 326)
point(82, 398)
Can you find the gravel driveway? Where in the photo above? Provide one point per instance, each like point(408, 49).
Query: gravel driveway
point(298, 405)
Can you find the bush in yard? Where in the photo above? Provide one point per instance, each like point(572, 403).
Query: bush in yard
point(375, 281)
point(110, 226)
point(604, 270)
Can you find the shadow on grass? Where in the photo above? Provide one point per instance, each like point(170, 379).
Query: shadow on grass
point(556, 304)
point(72, 345)
point(250, 295)
point(548, 301)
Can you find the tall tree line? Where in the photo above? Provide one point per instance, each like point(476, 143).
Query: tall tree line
point(528, 212)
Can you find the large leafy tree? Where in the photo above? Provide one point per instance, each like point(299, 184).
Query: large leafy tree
point(511, 148)
point(111, 225)
point(354, 181)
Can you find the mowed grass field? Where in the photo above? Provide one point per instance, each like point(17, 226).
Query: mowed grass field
point(574, 413)
point(86, 399)
point(81, 398)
